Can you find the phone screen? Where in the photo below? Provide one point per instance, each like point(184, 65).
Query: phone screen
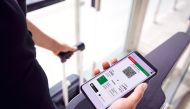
point(118, 80)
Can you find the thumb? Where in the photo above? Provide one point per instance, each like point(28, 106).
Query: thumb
point(138, 93)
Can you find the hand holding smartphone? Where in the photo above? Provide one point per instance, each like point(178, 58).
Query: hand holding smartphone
point(118, 80)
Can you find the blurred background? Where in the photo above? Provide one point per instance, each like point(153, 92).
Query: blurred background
point(113, 28)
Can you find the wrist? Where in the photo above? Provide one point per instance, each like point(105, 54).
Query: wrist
point(55, 47)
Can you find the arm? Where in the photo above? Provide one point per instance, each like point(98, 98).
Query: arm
point(43, 40)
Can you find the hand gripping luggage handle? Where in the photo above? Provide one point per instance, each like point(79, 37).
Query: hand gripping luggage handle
point(66, 55)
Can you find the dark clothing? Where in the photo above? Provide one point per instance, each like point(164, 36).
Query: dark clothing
point(23, 83)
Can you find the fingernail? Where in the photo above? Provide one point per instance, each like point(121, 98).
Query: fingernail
point(145, 85)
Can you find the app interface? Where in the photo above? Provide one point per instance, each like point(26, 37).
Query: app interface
point(120, 79)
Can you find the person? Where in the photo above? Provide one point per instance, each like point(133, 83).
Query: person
point(24, 84)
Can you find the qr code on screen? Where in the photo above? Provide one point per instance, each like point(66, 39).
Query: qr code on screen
point(129, 72)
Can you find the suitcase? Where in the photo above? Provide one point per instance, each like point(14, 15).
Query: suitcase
point(56, 91)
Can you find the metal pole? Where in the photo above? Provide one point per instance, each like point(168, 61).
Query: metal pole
point(65, 87)
point(80, 67)
point(97, 5)
point(157, 12)
point(77, 20)
point(175, 5)
point(188, 29)
point(77, 35)
point(136, 22)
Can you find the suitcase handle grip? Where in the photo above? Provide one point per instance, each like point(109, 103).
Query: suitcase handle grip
point(66, 55)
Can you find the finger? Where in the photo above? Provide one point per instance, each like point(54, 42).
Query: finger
point(138, 93)
point(105, 65)
point(113, 61)
point(96, 71)
point(69, 48)
point(56, 52)
point(73, 49)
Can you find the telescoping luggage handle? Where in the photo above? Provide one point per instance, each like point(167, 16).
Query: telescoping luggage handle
point(64, 56)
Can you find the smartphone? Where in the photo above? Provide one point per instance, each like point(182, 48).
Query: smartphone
point(119, 80)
